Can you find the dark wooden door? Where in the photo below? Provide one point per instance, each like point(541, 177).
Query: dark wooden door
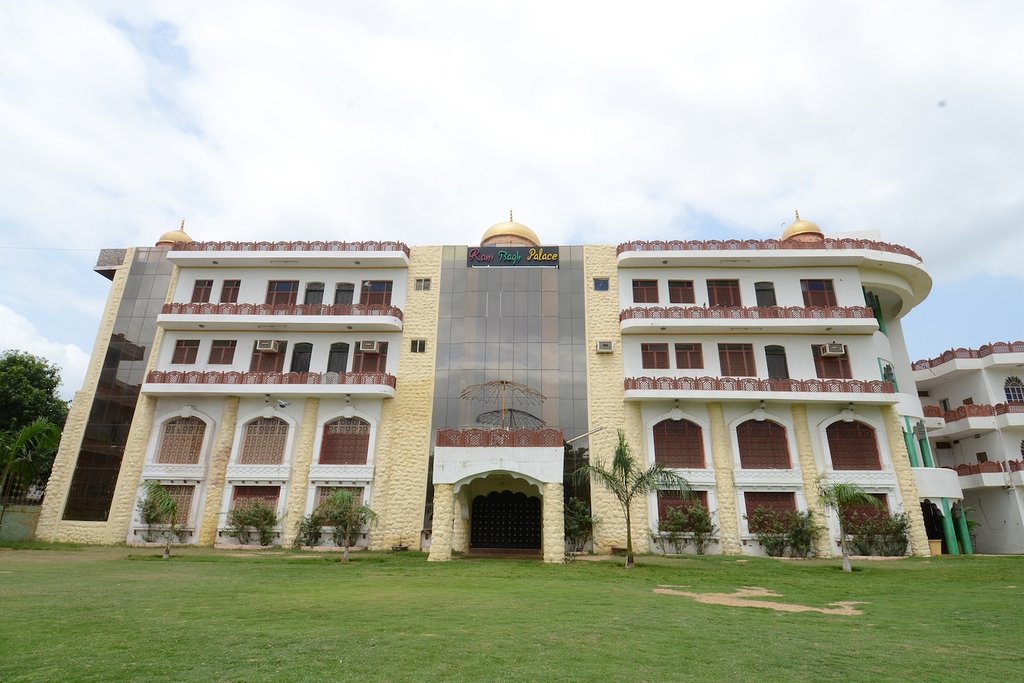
point(506, 520)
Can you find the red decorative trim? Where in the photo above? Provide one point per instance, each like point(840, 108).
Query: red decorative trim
point(962, 353)
point(477, 438)
point(282, 309)
point(827, 244)
point(314, 245)
point(932, 411)
point(990, 467)
point(814, 386)
point(235, 377)
point(974, 410)
point(748, 313)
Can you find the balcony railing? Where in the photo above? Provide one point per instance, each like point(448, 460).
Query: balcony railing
point(974, 410)
point(745, 313)
point(314, 245)
point(814, 386)
point(828, 244)
point(480, 438)
point(963, 354)
point(281, 309)
point(234, 377)
point(989, 467)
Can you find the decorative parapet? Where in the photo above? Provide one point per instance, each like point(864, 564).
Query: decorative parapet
point(974, 410)
point(480, 438)
point(828, 244)
point(314, 245)
point(235, 377)
point(281, 309)
point(991, 466)
point(816, 386)
point(964, 354)
point(745, 313)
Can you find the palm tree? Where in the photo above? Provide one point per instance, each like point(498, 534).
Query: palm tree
point(841, 497)
point(627, 481)
point(160, 507)
point(342, 511)
point(23, 454)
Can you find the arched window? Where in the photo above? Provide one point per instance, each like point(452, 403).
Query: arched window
point(762, 445)
point(337, 359)
point(263, 442)
point(346, 442)
point(181, 441)
point(853, 446)
point(1014, 390)
point(678, 443)
point(300, 357)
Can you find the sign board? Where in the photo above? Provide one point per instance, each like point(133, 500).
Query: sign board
point(489, 257)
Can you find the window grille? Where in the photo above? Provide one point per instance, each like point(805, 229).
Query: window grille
point(181, 441)
point(853, 446)
point(762, 445)
point(678, 444)
point(346, 441)
point(182, 495)
point(248, 494)
point(673, 499)
point(776, 501)
point(264, 441)
point(324, 492)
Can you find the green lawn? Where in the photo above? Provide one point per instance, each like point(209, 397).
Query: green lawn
point(94, 614)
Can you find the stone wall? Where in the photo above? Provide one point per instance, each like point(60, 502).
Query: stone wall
point(217, 471)
point(302, 459)
point(905, 480)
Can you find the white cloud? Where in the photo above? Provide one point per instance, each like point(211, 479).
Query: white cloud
point(18, 333)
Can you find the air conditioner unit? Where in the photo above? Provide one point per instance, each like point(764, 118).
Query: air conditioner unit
point(832, 350)
point(605, 347)
point(369, 347)
point(267, 346)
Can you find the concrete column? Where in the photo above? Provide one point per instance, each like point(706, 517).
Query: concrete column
point(554, 523)
point(721, 458)
point(217, 471)
point(905, 480)
point(809, 472)
point(947, 528)
point(441, 527)
point(460, 526)
point(298, 486)
point(963, 533)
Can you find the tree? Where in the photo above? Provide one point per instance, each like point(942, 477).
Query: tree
point(342, 511)
point(160, 507)
point(23, 455)
point(579, 524)
point(627, 481)
point(840, 498)
point(28, 391)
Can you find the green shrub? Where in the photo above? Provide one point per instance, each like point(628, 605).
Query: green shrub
point(310, 530)
point(252, 516)
point(771, 528)
point(803, 533)
point(579, 524)
point(700, 527)
point(684, 525)
point(882, 535)
point(670, 530)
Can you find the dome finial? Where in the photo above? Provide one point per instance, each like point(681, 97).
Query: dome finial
point(510, 216)
point(797, 212)
point(182, 228)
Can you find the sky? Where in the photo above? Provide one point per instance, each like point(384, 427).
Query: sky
point(595, 122)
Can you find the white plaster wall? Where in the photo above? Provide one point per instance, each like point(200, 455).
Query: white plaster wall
point(998, 513)
point(453, 465)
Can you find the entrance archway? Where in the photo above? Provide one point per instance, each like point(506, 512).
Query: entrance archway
point(505, 520)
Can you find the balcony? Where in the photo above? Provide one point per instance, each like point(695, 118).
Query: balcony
point(996, 353)
point(796, 319)
point(496, 438)
point(975, 418)
point(290, 317)
point(991, 474)
point(535, 455)
point(937, 482)
point(315, 253)
point(872, 392)
point(296, 384)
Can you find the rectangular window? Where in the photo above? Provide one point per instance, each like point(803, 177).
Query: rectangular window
point(422, 284)
point(222, 351)
point(371, 362)
point(324, 492)
point(982, 457)
point(654, 356)
point(229, 291)
point(600, 284)
point(765, 294)
point(282, 292)
point(182, 495)
point(830, 367)
point(314, 293)
point(818, 293)
point(689, 356)
point(343, 293)
point(201, 291)
point(680, 292)
point(775, 501)
point(968, 401)
point(266, 361)
point(185, 352)
point(645, 291)
point(737, 360)
point(376, 293)
point(419, 346)
point(245, 494)
point(724, 293)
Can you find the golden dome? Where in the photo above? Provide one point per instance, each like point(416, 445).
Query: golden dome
point(801, 227)
point(179, 235)
point(509, 233)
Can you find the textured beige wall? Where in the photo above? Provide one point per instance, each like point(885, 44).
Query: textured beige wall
point(217, 471)
point(403, 437)
point(554, 523)
point(50, 526)
point(441, 537)
point(905, 480)
point(721, 458)
point(605, 403)
point(298, 487)
point(460, 523)
point(809, 471)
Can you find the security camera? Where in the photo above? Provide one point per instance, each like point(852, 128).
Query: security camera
point(282, 404)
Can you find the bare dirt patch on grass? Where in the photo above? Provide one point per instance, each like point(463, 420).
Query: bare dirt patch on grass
point(747, 597)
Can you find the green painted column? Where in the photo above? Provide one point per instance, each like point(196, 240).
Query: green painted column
point(963, 533)
point(947, 528)
point(908, 437)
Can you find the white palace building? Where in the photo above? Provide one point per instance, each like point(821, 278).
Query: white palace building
point(442, 382)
